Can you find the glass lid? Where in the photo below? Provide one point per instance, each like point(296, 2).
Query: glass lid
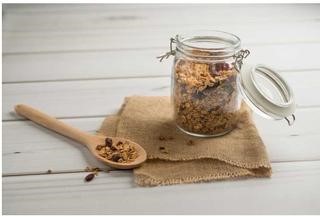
point(266, 92)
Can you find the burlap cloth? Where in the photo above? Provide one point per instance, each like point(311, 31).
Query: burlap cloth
point(146, 119)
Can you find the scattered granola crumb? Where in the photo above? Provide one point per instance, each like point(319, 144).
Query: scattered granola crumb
point(89, 177)
point(163, 150)
point(92, 169)
point(190, 142)
point(161, 138)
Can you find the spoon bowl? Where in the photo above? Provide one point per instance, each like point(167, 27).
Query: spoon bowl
point(89, 140)
point(99, 140)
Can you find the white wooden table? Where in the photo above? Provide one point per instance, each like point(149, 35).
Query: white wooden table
point(78, 62)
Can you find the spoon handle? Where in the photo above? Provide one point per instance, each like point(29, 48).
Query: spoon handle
point(53, 124)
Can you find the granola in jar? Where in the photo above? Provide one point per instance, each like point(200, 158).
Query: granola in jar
point(205, 97)
point(204, 92)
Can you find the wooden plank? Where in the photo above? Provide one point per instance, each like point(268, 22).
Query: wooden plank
point(139, 63)
point(72, 99)
point(87, 65)
point(91, 16)
point(293, 189)
point(152, 37)
point(38, 150)
point(279, 9)
point(102, 97)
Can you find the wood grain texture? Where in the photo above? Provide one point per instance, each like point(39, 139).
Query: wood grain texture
point(293, 189)
point(140, 63)
point(26, 42)
point(80, 98)
point(150, 26)
point(66, 17)
point(38, 150)
point(78, 62)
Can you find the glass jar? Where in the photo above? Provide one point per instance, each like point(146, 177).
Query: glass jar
point(204, 91)
point(208, 82)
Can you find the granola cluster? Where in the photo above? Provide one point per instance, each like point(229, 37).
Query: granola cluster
point(205, 97)
point(121, 152)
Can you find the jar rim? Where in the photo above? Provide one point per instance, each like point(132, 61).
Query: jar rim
point(209, 43)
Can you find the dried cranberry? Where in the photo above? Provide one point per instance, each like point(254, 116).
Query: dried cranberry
point(89, 177)
point(190, 142)
point(226, 66)
point(219, 67)
point(108, 142)
point(161, 148)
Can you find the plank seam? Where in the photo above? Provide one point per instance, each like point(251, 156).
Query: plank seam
point(105, 115)
point(92, 79)
point(130, 77)
point(110, 170)
point(7, 53)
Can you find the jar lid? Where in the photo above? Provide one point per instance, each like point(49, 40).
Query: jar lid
point(266, 92)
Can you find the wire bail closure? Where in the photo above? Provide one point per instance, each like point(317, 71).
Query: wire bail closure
point(169, 53)
point(238, 57)
point(290, 123)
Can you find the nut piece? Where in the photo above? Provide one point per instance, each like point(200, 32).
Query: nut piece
point(99, 147)
point(190, 142)
point(161, 138)
point(163, 150)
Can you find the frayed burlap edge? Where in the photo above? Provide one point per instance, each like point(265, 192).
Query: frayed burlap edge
point(148, 180)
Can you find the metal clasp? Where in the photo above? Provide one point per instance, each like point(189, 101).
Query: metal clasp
point(291, 122)
point(169, 53)
point(242, 54)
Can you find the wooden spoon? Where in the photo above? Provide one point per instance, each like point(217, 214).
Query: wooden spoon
point(89, 140)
